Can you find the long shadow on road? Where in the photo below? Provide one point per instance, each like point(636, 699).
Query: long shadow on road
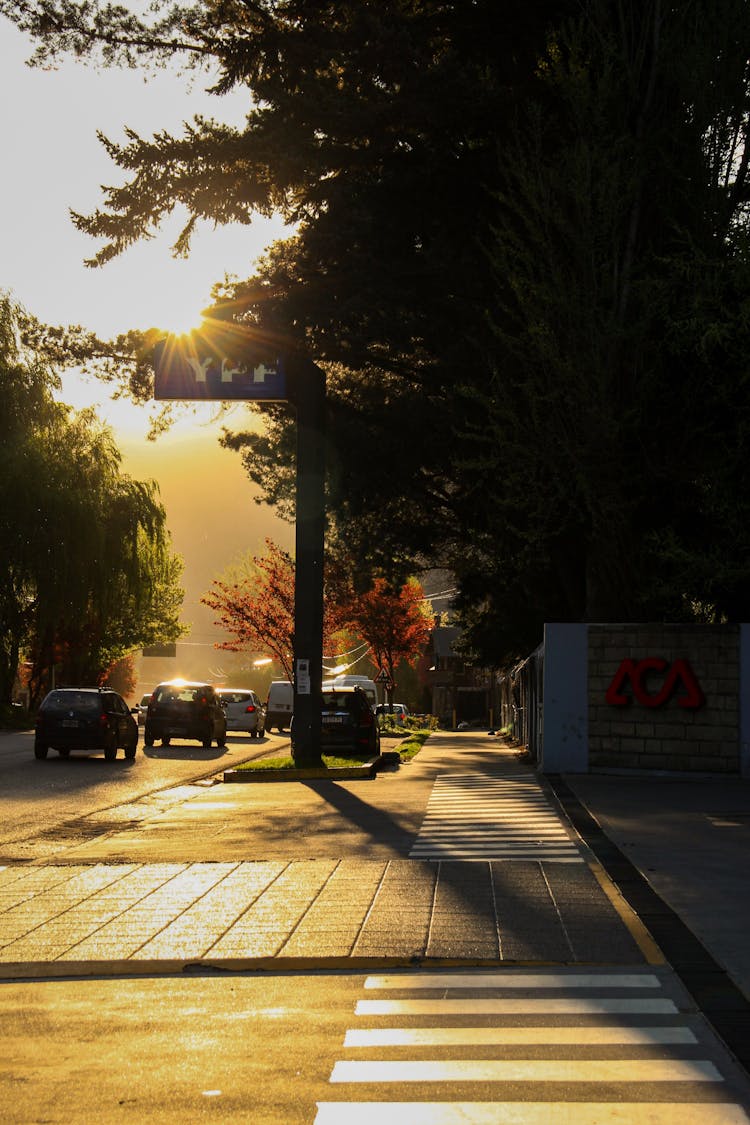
point(382, 826)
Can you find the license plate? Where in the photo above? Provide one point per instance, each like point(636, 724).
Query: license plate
point(70, 722)
point(333, 719)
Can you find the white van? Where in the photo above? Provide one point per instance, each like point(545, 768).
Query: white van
point(367, 685)
point(279, 705)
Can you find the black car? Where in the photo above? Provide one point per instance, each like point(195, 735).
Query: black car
point(87, 719)
point(182, 709)
point(347, 722)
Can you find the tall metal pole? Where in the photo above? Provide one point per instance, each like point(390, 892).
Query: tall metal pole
point(308, 391)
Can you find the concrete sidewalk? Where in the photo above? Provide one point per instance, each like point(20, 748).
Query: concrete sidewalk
point(316, 874)
point(319, 873)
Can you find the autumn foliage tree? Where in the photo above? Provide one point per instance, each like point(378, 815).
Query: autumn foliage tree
point(256, 609)
point(395, 623)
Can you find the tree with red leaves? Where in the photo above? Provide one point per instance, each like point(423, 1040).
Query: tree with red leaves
point(257, 609)
point(395, 623)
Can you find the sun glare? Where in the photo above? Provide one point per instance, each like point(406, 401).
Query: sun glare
point(181, 322)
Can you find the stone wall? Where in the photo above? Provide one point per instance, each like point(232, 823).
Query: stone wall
point(636, 735)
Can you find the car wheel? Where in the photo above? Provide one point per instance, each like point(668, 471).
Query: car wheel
point(221, 740)
point(40, 750)
point(261, 734)
point(253, 734)
point(166, 740)
point(148, 737)
point(110, 749)
point(207, 740)
point(130, 750)
point(64, 753)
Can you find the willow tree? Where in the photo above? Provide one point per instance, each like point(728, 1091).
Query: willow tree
point(89, 574)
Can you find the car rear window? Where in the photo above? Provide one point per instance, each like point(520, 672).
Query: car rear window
point(72, 700)
point(174, 693)
point(340, 701)
point(235, 696)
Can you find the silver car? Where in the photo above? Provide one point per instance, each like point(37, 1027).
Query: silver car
point(244, 710)
point(141, 708)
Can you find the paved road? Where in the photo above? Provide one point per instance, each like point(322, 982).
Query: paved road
point(541, 1046)
point(41, 796)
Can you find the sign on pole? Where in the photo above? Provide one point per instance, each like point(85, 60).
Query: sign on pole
point(199, 367)
point(225, 361)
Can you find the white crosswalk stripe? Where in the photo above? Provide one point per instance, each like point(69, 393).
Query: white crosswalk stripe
point(539, 1048)
point(506, 816)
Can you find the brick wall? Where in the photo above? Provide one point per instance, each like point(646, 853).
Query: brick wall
point(667, 737)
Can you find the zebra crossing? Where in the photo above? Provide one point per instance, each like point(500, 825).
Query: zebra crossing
point(531, 1047)
point(503, 816)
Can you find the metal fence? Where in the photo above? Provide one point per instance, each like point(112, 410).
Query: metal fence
point(521, 700)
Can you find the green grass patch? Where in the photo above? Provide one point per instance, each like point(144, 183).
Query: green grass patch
point(330, 761)
point(411, 745)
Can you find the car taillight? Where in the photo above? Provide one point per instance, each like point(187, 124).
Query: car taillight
point(103, 719)
point(249, 710)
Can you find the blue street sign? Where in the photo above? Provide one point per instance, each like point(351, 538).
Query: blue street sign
point(186, 370)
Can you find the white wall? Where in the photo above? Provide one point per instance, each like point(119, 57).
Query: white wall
point(565, 747)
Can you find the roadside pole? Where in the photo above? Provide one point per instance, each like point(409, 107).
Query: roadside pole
point(223, 362)
point(307, 387)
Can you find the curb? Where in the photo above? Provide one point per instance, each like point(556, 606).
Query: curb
point(338, 773)
point(175, 966)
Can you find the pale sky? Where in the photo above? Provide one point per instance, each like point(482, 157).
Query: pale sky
point(52, 162)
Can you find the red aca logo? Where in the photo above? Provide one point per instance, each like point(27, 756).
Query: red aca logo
point(678, 676)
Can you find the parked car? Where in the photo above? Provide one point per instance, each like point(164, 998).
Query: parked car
point(244, 710)
point(140, 709)
point(397, 710)
point(88, 719)
point(279, 705)
point(348, 721)
point(364, 682)
point(185, 709)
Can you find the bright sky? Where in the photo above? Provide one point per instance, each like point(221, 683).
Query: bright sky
point(53, 162)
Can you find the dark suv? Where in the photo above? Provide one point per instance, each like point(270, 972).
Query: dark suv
point(85, 719)
point(181, 709)
point(347, 720)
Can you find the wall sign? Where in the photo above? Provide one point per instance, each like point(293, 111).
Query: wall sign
point(676, 679)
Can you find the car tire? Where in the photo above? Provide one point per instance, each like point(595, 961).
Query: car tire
point(148, 737)
point(130, 750)
point(40, 750)
point(221, 740)
point(64, 753)
point(110, 749)
point(166, 740)
point(261, 733)
point(207, 740)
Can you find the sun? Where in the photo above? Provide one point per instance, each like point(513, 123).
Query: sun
point(180, 320)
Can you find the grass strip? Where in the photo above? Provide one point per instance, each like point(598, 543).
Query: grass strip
point(410, 746)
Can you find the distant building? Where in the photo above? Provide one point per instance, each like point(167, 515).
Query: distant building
point(460, 693)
